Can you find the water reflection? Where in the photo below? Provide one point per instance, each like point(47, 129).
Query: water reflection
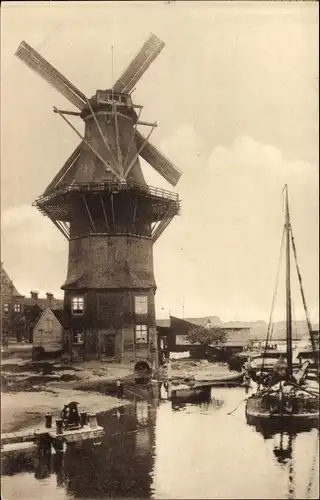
point(121, 465)
point(284, 442)
point(156, 449)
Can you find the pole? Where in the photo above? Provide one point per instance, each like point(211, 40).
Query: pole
point(302, 292)
point(288, 288)
point(112, 70)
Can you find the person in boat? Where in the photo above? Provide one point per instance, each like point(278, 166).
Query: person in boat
point(280, 372)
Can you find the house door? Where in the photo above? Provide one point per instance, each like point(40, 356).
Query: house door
point(107, 344)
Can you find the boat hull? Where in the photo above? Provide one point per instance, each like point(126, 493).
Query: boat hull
point(225, 381)
point(189, 394)
point(260, 415)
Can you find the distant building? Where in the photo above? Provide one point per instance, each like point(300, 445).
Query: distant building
point(48, 333)
point(173, 333)
point(12, 308)
point(34, 307)
point(19, 314)
point(237, 337)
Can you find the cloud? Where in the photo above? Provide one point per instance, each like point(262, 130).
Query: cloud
point(25, 227)
point(33, 250)
point(221, 254)
point(184, 147)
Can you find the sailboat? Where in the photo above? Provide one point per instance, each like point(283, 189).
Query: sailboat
point(283, 396)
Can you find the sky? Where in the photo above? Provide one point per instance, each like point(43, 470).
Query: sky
point(235, 95)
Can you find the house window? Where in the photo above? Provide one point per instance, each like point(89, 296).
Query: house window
point(141, 304)
point(6, 307)
point(17, 308)
point(141, 334)
point(78, 337)
point(77, 305)
point(49, 324)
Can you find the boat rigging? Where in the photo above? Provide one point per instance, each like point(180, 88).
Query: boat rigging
point(283, 396)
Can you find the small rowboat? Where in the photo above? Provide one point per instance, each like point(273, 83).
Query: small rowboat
point(229, 380)
point(184, 392)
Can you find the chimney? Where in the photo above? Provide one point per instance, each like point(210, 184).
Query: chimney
point(34, 295)
point(49, 298)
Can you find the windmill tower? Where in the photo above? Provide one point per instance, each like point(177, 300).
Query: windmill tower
point(101, 203)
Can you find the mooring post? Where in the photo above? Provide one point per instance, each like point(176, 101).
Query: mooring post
point(58, 443)
point(58, 467)
point(83, 418)
point(44, 442)
point(93, 420)
point(59, 426)
point(48, 420)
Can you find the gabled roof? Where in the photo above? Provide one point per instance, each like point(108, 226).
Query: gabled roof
point(214, 320)
point(299, 331)
point(59, 315)
point(163, 323)
point(7, 282)
point(245, 324)
point(239, 336)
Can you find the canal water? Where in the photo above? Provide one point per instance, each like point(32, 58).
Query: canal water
point(164, 450)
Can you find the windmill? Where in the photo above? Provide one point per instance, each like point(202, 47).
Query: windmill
point(101, 203)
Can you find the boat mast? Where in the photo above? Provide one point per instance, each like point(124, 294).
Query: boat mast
point(288, 286)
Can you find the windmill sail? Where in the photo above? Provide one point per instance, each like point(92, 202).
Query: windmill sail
point(147, 54)
point(38, 64)
point(157, 160)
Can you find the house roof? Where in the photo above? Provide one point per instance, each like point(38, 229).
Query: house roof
point(44, 303)
point(215, 320)
point(6, 281)
point(58, 313)
point(163, 323)
point(299, 331)
point(245, 324)
point(238, 336)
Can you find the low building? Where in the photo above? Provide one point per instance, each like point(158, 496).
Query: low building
point(34, 307)
point(240, 335)
point(12, 308)
point(48, 333)
point(174, 333)
point(278, 336)
point(19, 314)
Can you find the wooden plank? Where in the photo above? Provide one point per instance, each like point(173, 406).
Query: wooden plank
point(17, 437)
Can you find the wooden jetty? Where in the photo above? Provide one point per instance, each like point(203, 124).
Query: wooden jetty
point(45, 437)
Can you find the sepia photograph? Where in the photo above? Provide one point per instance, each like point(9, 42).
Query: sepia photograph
point(159, 250)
